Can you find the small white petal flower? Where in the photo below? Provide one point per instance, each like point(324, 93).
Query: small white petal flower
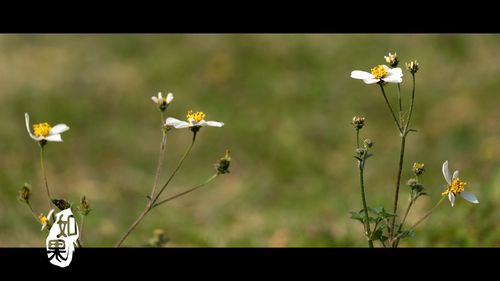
point(451, 197)
point(469, 197)
point(176, 123)
point(456, 186)
point(446, 172)
point(163, 102)
point(43, 131)
point(380, 73)
point(194, 120)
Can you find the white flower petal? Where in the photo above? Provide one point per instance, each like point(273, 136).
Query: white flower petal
point(393, 79)
point(358, 74)
point(43, 226)
point(395, 72)
point(170, 97)
point(57, 129)
point(213, 124)
point(160, 97)
point(451, 197)
point(176, 123)
point(456, 175)
point(155, 99)
point(56, 137)
point(27, 120)
point(371, 81)
point(469, 197)
point(446, 172)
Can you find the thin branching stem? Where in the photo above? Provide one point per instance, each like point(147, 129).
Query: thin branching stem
point(153, 200)
point(45, 177)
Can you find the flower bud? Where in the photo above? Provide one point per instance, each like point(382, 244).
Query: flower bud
point(61, 204)
point(25, 193)
point(392, 59)
point(358, 122)
point(412, 66)
point(84, 206)
point(222, 166)
point(368, 143)
point(418, 168)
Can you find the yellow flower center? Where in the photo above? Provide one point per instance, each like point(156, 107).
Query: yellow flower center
point(379, 72)
point(457, 186)
point(41, 129)
point(196, 116)
point(43, 218)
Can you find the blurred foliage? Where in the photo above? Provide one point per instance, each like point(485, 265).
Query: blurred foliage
point(287, 102)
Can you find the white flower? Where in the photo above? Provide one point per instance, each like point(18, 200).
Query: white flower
point(194, 119)
point(379, 73)
point(163, 101)
point(456, 186)
point(43, 131)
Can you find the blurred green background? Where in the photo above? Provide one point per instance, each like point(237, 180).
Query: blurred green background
point(287, 102)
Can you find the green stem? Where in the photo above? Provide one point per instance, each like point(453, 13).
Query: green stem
point(45, 178)
point(150, 204)
point(365, 208)
point(411, 104)
point(186, 192)
point(160, 157)
point(390, 108)
point(176, 168)
point(33, 212)
point(134, 224)
point(398, 181)
point(357, 137)
point(400, 104)
point(424, 217)
point(82, 223)
point(403, 221)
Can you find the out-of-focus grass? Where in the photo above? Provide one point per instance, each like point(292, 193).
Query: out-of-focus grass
point(287, 101)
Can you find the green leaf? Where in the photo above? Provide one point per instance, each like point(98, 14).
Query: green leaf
point(376, 210)
point(357, 216)
point(377, 235)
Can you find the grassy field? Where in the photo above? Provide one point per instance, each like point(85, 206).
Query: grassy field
point(287, 102)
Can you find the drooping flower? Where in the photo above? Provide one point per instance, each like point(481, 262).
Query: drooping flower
point(44, 132)
point(379, 74)
point(456, 186)
point(163, 102)
point(44, 219)
point(195, 120)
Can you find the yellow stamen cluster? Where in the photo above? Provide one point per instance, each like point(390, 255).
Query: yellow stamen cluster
point(457, 186)
point(43, 219)
point(379, 72)
point(196, 116)
point(41, 129)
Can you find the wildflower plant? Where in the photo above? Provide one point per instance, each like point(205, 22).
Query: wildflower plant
point(379, 224)
point(43, 133)
point(194, 122)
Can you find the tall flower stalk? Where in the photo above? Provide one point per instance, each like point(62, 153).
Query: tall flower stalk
point(195, 120)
